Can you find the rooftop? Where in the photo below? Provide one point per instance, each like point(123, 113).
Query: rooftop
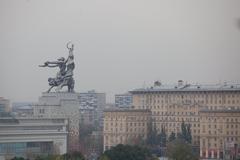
point(126, 110)
point(180, 87)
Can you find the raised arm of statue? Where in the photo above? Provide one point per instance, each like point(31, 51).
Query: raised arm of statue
point(46, 64)
point(70, 48)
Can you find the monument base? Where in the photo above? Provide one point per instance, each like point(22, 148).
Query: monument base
point(61, 105)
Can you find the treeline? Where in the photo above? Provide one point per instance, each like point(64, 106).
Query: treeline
point(67, 156)
point(161, 138)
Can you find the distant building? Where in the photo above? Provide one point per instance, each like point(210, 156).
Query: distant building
point(4, 105)
point(170, 102)
point(94, 100)
point(124, 126)
point(22, 109)
point(88, 116)
point(110, 106)
point(29, 137)
point(123, 100)
point(220, 134)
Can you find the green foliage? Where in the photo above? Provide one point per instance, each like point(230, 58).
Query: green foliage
point(162, 138)
point(73, 156)
point(67, 156)
point(189, 134)
point(172, 137)
point(18, 158)
point(186, 133)
point(180, 150)
point(48, 157)
point(104, 157)
point(157, 139)
point(127, 152)
point(152, 136)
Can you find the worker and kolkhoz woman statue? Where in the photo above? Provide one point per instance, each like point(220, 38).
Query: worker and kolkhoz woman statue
point(65, 75)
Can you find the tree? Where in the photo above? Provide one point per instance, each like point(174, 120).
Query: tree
point(127, 152)
point(162, 138)
point(186, 133)
point(152, 136)
point(189, 134)
point(48, 157)
point(180, 150)
point(104, 157)
point(18, 158)
point(73, 156)
point(67, 156)
point(172, 137)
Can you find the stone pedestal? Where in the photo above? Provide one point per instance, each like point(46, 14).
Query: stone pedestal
point(61, 105)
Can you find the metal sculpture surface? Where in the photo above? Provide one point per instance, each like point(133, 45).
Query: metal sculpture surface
point(65, 75)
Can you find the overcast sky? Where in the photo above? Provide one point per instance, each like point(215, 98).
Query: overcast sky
point(119, 44)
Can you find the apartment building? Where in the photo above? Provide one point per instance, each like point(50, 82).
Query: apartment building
point(172, 104)
point(125, 126)
point(220, 134)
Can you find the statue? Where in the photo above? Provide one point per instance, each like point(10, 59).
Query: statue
point(65, 75)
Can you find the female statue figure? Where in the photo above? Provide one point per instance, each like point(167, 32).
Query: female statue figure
point(65, 75)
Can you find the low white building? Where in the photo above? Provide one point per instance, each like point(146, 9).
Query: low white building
point(29, 137)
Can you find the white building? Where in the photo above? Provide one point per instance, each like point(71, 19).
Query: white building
point(29, 137)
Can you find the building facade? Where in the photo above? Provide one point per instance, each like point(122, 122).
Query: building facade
point(123, 100)
point(4, 105)
point(22, 109)
point(88, 116)
point(220, 134)
point(29, 137)
point(124, 126)
point(95, 100)
point(61, 105)
point(92, 99)
point(171, 105)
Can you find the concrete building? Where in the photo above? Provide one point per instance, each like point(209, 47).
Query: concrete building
point(4, 105)
point(123, 100)
point(61, 105)
point(29, 137)
point(88, 116)
point(123, 126)
point(172, 104)
point(22, 109)
point(220, 134)
point(94, 100)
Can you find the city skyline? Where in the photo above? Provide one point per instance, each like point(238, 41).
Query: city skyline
point(119, 46)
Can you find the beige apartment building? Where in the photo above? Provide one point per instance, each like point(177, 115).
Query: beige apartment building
point(220, 133)
point(125, 126)
point(172, 104)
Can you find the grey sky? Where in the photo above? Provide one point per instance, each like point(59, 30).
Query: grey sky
point(119, 45)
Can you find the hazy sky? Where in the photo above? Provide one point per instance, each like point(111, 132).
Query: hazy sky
point(119, 44)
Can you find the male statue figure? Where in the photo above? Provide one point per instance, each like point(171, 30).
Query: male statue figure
point(65, 75)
